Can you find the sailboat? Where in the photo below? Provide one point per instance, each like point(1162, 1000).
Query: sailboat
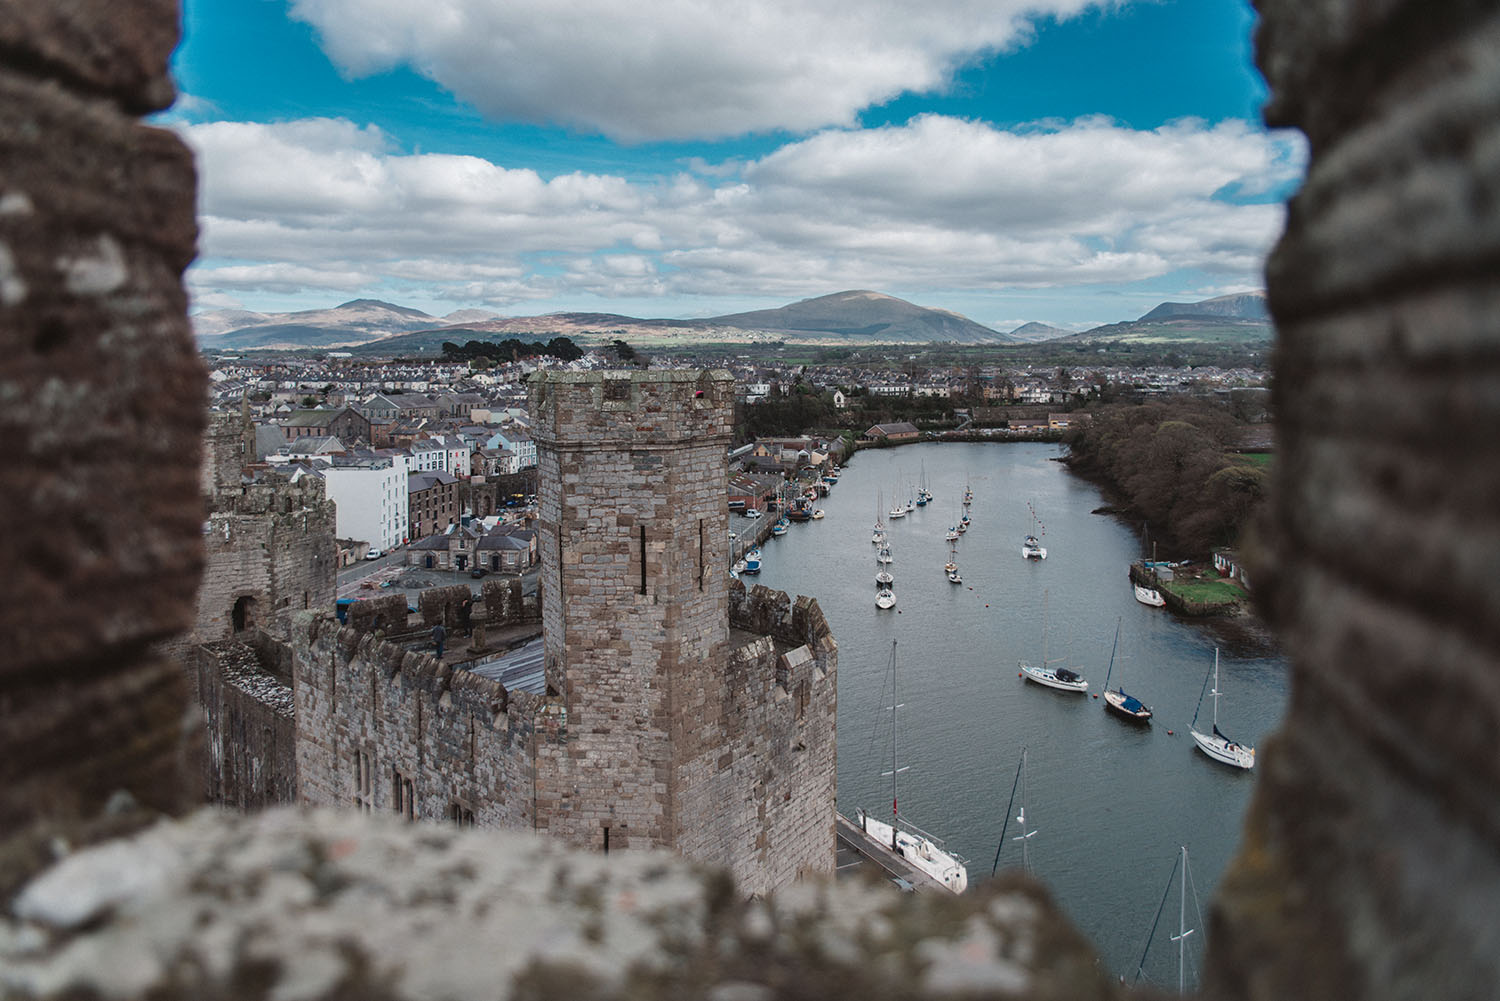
point(921, 849)
point(968, 494)
point(951, 567)
point(1060, 678)
point(885, 598)
point(878, 536)
point(898, 510)
point(884, 578)
point(1150, 595)
point(1128, 706)
point(1183, 931)
point(1032, 548)
point(1215, 744)
point(1026, 835)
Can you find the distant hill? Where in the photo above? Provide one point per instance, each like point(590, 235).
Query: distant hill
point(372, 326)
point(1203, 330)
point(352, 323)
point(865, 315)
point(1038, 332)
point(1240, 306)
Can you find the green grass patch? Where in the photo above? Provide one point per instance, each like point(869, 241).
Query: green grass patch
point(1207, 592)
point(1261, 459)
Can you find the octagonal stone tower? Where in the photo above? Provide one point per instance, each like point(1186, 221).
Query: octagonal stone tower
point(633, 542)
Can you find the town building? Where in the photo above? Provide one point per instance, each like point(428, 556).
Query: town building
point(370, 496)
point(432, 501)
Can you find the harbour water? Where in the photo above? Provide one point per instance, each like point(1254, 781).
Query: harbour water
point(1112, 800)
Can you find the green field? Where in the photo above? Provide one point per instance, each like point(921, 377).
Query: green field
point(1261, 459)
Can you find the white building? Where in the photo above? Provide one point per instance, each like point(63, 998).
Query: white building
point(428, 456)
point(370, 499)
point(520, 443)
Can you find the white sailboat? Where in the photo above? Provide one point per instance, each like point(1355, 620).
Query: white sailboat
point(1215, 744)
point(1060, 678)
point(921, 849)
point(878, 536)
point(1150, 595)
point(1032, 548)
point(885, 598)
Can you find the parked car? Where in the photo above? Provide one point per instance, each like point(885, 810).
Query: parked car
point(752, 512)
point(374, 554)
point(478, 572)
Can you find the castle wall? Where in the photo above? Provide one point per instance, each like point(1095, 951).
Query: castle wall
point(249, 728)
point(270, 542)
point(373, 717)
point(762, 790)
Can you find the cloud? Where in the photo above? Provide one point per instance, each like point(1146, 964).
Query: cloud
point(938, 203)
point(675, 69)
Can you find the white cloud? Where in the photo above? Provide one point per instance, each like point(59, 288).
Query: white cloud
point(939, 203)
point(674, 69)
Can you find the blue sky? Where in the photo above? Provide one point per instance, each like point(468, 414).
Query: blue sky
point(1050, 160)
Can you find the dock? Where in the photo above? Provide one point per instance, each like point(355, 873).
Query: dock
point(858, 855)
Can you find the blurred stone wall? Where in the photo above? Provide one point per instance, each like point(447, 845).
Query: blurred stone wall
point(102, 399)
point(1371, 866)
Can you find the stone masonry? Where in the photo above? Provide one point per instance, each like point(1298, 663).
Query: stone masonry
point(268, 545)
point(633, 536)
point(691, 715)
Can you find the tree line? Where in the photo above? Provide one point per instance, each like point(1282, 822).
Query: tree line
point(1170, 462)
point(512, 349)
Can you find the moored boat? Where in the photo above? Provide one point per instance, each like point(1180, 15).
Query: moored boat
point(1149, 596)
point(916, 846)
point(1117, 701)
point(1216, 744)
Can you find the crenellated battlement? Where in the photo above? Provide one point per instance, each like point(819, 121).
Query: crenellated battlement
point(590, 410)
point(392, 728)
point(759, 609)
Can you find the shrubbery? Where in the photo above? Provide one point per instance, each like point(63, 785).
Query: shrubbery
point(1170, 461)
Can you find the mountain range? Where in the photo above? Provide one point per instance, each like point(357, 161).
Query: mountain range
point(857, 316)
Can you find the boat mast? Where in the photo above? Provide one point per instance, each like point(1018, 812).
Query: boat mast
point(1112, 653)
point(1182, 929)
point(1003, 827)
point(1194, 724)
point(1025, 835)
point(1216, 691)
point(895, 760)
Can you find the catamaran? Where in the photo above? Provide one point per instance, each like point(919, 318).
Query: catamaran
point(1032, 548)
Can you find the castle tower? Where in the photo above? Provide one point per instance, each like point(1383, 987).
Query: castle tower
point(634, 548)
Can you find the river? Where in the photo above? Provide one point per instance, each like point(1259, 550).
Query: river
point(1111, 800)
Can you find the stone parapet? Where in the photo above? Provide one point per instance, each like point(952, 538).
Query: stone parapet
point(312, 904)
point(589, 410)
